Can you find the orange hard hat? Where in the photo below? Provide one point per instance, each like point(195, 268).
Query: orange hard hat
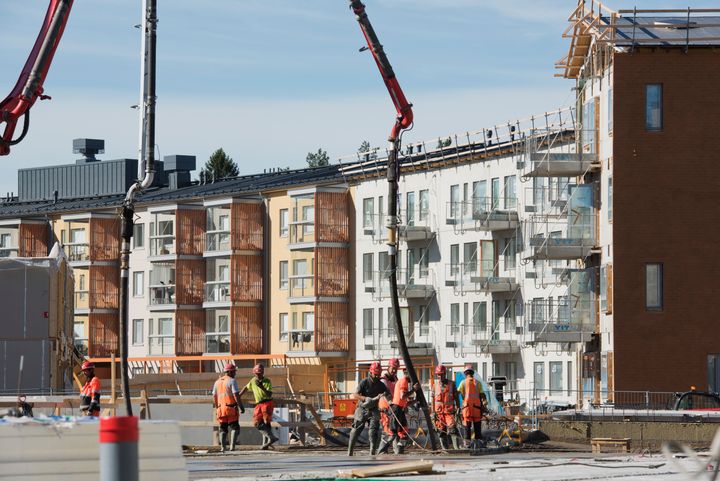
point(375, 368)
point(394, 362)
point(440, 370)
point(230, 367)
point(87, 365)
point(258, 368)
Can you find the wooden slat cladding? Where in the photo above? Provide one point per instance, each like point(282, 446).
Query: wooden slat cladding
point(104, 239)
point(332, 222)
point(246, 330)
point(104, 287)
point(190, 231)
point(33, 240)
point(190, 281)
point(246, 274)
point(246, 226)
point(333, 278)
point(331, 327)
point(103, 340)
point(189, 332)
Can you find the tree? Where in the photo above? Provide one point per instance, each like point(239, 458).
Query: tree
point(364, 147)
point(317, 159)
point(219, 166)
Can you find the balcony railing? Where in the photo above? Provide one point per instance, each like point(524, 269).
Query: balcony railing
point(77, 252)
point(422, 336)
point(301, 340)
point(302, 232)
point(549, 199)
point(302, 286)
point(570, 319)
point(217, 241)
point(482, 276)
point(217, 291)
point(162, 295)
point(482, 337)
point(556, 238)
point(484, 213)
point(413, 284)
point(545, 159)
point(217, 343)
point(162, 245)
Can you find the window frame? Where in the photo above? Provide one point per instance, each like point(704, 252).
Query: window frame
point(657, 307)
point(652, 124)
point(138, 340)
point(139, 235)
point(284, 283)
point(284, 221)
point(141, 275)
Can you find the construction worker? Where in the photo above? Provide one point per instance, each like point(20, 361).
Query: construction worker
point(471, 391)
point(389, 379)
point(401, 399)
point(446, 404)
point(90, 392)
point(368, 393)
point(261, 387)
point(226, 402)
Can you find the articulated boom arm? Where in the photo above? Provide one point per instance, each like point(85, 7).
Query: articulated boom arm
point(29, 86)
point(403, 107)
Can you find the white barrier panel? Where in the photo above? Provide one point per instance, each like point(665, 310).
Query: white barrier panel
point(69, 449)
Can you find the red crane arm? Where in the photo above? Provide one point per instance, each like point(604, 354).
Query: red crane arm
point(403, 107)
point(29, 86)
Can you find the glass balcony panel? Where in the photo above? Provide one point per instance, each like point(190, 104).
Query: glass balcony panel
point(302, 286)
point(217, 291)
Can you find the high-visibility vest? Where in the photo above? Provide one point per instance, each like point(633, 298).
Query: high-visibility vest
point(471, 397)
point(227, 407)
point(401, 387)
point(390, 382)
point(444, 400)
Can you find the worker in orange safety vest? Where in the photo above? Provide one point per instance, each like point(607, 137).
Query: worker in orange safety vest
point(446, 405)
point(402, 395)
point(226, 401)
point(472, 409)
point(389, 379)
point(90, 392)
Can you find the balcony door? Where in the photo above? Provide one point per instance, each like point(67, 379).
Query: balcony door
point(488, 258)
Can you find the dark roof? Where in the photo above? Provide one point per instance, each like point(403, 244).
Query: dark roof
point(666, 31)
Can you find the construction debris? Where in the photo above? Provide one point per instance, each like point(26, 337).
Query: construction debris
point(410, 467)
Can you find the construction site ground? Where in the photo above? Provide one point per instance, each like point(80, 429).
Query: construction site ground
point(547, 461)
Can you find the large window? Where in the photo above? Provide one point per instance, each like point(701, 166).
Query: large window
point(470, 257)
point(495, 193)
point(160, 336)
point(367, 322)
point(368, 267)
point(539, 377)
point(454, 201)
point(510, 198)
point(654, 287)
point(653, 107)
point(454, 259)
point(509, 254)
point(424, 205)
point(80, 337)
point(556, 377)
point(283, 326)
point(410, 208)
point(424, 262)
point(217, 333)
point(610, 200)
point(138, 281)
point(478, 197)
point(454, 318)
point(138, 236)
point(368, 212)
point(479, 317)
point(283, 274)
point(284, 222)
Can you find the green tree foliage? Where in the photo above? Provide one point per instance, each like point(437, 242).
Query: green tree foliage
point(219, 166)
point(317, 159)
point(364, 147)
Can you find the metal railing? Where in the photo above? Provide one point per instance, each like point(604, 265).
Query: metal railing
point(301, 340)
point(217, 241)
point(77, 251)
point(162, 245)
point(417, 282)
point(217, 291)
point(302, 231)
point(302, 286)
point(163, 294)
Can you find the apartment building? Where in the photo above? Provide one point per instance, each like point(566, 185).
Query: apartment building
point(645, 85)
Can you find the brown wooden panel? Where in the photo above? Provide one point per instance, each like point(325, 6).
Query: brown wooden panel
point(103, 339)
point(246, 330)
point(190, 281)
point(190, 231)
point(104, 239)
point(104, 287)
point(189, 332)
point(332, 276)
point(33, 240)
point(332, 222)
point(331, 327)
point(246, 226)
point(246, 278)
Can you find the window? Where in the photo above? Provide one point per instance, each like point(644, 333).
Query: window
point(160, 336)
point(610, 109)
point(217, 333)
point(424, 205)
point(465, 203)
point(138, 283)
point(284, 223)
point(511, 370)
point(367, 323)
point(538, 192)
point(496, 315)
point(80, 338)
point(381, 311)
point(539, 376)
point(495, 368)
point(510, 321)
point(368, 267)
point(466, 314)
point(510, 248)
point(138, 236)
point(653, 107)
point(556, 377)
point(368, 212)
point(283, 274)
point(588, 127)
point(384, 264)
point(603, 288)
point(137, 332)
point(454, 259)
point(470, 257)
point(410, 274)
point(454, 318)
point(479, 318)
point(653, 287)
point(478, 197)
point(568, 373)
point(538, 311)
point(510, 198)
point(609, 200)
point(82, 289)
point(454, 201)
point(495, 193)
point(283, 326)
point(410, 209)
point(424, 262)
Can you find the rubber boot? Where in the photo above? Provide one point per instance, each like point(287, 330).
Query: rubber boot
point(271, 437)
point(354, 433)
point(455, 442)
point(373, 447)
point(399, 446)
point(222, 439)
point(384, 446)
point(444, 441)
point(234, 434)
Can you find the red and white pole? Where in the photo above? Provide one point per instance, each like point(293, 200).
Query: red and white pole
point(119, 448)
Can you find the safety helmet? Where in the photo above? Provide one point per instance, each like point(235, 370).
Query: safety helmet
point(87, 365)
point(469, 368)
point(394, 362)
point(258, 368)
point(375, 368)
point(440, 370)
point(230, 367)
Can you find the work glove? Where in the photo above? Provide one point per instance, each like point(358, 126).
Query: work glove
point(242, 409)
point(93, 407)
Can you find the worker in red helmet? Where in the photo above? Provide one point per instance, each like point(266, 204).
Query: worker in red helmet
point(472, 407)
point(389, 378)
point(446, 404)
point(261, 388)
point(403, 394)
point(226, 401)
point(368, 394)
point(90, 392)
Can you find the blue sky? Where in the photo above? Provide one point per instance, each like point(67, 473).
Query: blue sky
point(270, 80)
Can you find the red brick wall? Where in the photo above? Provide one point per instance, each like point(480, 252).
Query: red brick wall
point(666, 209)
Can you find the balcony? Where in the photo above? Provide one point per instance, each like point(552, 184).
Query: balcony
point(322, 331)
point(162, 297)
point(217, 243)
point(301, 289)
point(486, 214)
point(421, 340)
point(550, 237)
point(319, 217)
point(176, 231)
point(545, 160)
point(416, 225)
point(416, 284)
point(571, 319)
point(217, 293)
point(301, 340)
point(480, 277)
point(24, 238)
point(481, 338)
point(78, 253)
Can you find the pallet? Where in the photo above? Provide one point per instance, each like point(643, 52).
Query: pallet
point(615, 445)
